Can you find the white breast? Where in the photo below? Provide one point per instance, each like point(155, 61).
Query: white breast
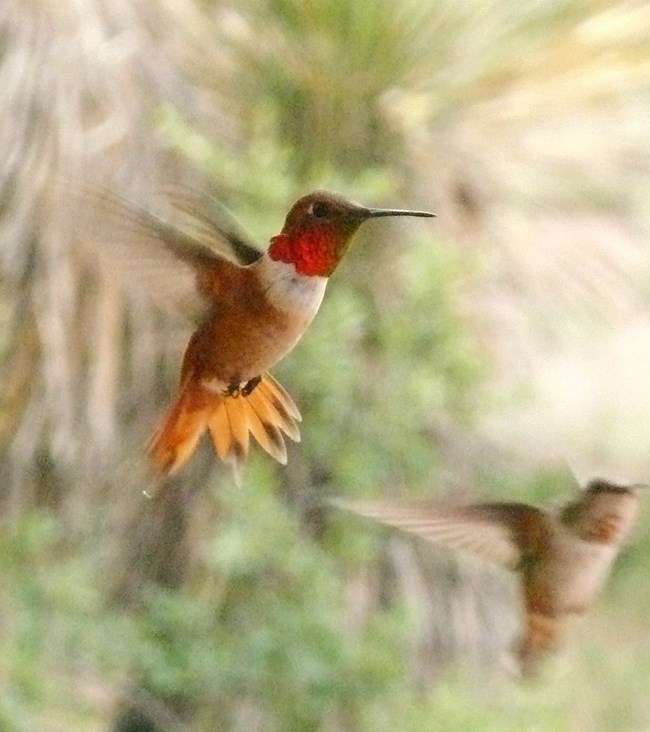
point(290, 291)
point(580, 570)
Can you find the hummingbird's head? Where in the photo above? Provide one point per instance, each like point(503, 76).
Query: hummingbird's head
point(318, 230)
point(604, 511)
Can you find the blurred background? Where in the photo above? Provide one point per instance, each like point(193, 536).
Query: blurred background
point(486, 353)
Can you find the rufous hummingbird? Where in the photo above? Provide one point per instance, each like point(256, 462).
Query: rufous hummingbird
point(562, 558)
point(252, 309)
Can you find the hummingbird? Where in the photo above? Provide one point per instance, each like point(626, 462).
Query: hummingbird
point(249, 309)
point(562, 558)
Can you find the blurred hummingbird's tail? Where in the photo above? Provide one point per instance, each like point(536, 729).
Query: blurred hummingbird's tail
point(265, 411)
point(543, 636)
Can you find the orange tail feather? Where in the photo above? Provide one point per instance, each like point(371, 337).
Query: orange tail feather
point(182, 426)
point(544, 635)
point(266, 413)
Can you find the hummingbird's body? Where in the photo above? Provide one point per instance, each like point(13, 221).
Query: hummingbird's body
point(249, 309)
point(563, 560)
point(244, 335)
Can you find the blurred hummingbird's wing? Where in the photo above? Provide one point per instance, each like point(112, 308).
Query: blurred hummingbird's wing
point(208, 221)
point(146, 253)
point(501, 533)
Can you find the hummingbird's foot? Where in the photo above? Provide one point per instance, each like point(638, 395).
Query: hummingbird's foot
point(235, 389)
point(250, 385)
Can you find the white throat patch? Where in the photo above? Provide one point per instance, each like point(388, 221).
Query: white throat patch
point(289, 290)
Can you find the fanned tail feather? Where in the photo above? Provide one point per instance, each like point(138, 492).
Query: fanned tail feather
point(281, 405)
point(182, 426)
point(266, 413)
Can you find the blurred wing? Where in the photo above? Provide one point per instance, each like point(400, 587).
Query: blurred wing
point(147, 254)
point(209, 222)
point(497, 533)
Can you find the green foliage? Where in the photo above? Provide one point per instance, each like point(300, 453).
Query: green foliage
point(381, 366)
point(58, 638)
point(265, 626)
point(261, 180)
point(317, 68)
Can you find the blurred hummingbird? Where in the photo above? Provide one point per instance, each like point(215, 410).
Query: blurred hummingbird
point(249, 310)
point(562, 558)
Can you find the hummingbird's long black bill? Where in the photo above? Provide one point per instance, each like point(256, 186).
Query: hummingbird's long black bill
point(372, 213)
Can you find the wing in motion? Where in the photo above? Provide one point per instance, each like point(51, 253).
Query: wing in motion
point(151, 256)
point(501, 533)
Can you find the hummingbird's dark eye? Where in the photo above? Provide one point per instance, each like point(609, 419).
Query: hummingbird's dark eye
point(320, 210)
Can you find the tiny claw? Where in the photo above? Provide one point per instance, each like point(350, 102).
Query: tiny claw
point(250, 385)
point(231, 391)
